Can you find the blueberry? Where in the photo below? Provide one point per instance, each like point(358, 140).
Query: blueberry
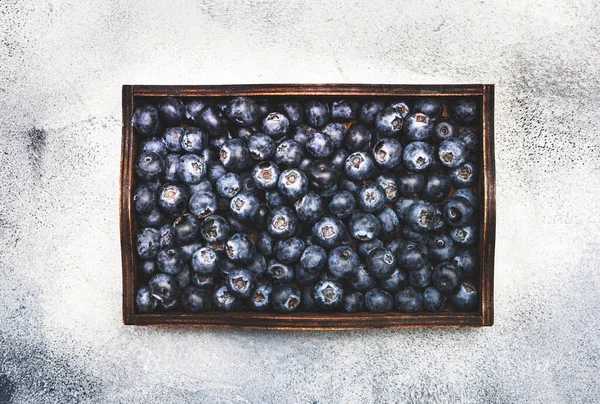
point(464, 175)
point(395, 246)
point(149, 166)
point(420, 278)
point(401, 107)
point(336, 132)
point(263, 107)
point(369, 111)
point(218, 141)
point(305, 277)
point(203, 281)
point(240, 248)
point(387, 153)
point(147, 269)
point(465, 110)
point(319, 145)
point(292, 184)
point(432, 107)
point(241, 282)
point(242, 110)
point(353, 302)
point(228, 185)
point(145, 120)
point(370, 198)
point(464, 235)
point(342, 204)
point(193, 108)
point(189, 249)
point(362, 279)
point(378, 301)
point(225, 300)
point(154, 145)
point(364, 226)
point(338, 159)
point(214, 229)
point(329, 232)
point(470, 139)
point(144, 199)
point(412, 235)
point(205, 261)
point(467, 261)
point(171, 162)
point(294, 112)
point(446, 277)
point(437, 187)
point(441, 248)
point(144, 301)
point(388, 183)
point(152, 219)
point(203, 204)
point(286, 298)
point(444, 128)
point(170, 261)
point(289, 153)
point(191, 169)
point(265, 175)
point(389, 122)
point(171, 111)
point(417, 156)
point(282, 222)
point(418, 126)
point(265, 243)
point(316, 113)
point(164, 288)
point(409, 300)
point(313, 259)
point(275, 199)
point(350, 185)
point(342, 262)
point(216, 171)
point(322, 174)
point(359, 166)
point(195, 300)
point(194, 140)
point(289, 251)
point(328, 294)
point(457, 211)
point(411, 183)
point(184, 276)
point(344, 110)
point(173, 199)
point(412, 255)
point(465, 298)
point(365, 247)
point(397, 281)
point(276, 125)
point(261, 147)
point(260, 298)
point(381, 263)
point(244, 206)
point(303, 132)
point(452, 152)
point(309, 208)
point(185, 229)
point(212, 120)
point(390, 224)
point(234, 155)
point(358, 138)
point(434, 300)
point(419, 216)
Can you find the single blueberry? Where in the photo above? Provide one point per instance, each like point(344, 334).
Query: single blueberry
point(289, 153)
point(464, 235)
point(154, 145)
point(241, 282)
point(359, 166)
point(293, 111)
point(225, 300)
point(173, 199)
point(171, 111)
point(419, 216)
point(212, 120)
point(303, 132)
point(265, 244)
point(362, 279)
point(319, 145)
point(193, 108)
point(412, 255)
point(446, 277)
point(289, 251)
point(309, 208)
point(369, 111)
point(184, 276)
point(286, 298)
point(452, 152)
point(402, 107)
point(465, 110)
point(444, 128)
point(417, 156)
point(282, 222)
point(342, 262)
point(420, 278)
point(195, 300)
point(204, 281)
point(214, 229)
point(365, 247)
point(194, 140)
point(316, 113)
point(409, 300)
point(234, 155)
point(322, 174)
point(244, 206)
point(145, 120)
point(171, 162)
point(437, 187)
point(457, 211)
point(389, 122)
point(144, 301)
point(432, 107)
point(216, 171)
point(275, 199)
point(242, 110)
point(170, 261)
point(389, 185)
point(413, 235)
point(358, 138)
point(258, 265)
point(470, 139)
point(418, 126)
point(441, 248)
point(329, 232)
point(164, 288)
point(292, 184)
point(390, 224)
point(240, 248)
point(410, 184)
point(336, 132)
point(152, 219)
point(434, 300)
point(378, 301)
point(144, 199)
point(344, 110)
point(265, 175)
point(342, 204)
point(191, 169)
point(467, 261)
point(305, 277)
point(464, 175)
point(149, 166)
point(276, 125)
point(381, 263)
point(260, 299)
point(370, 198)
point(395, 283)
point(364, 226)
point(387, 153)
point(328, 294)
point(185, 229)
point(205, 261)
point(147, 269)
point(313, 259)
point(261, 147)
point(228, 185)
point(465, 298)
point(203, 204)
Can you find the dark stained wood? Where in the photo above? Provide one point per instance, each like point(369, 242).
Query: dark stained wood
point(302, 320)
point(488, 229)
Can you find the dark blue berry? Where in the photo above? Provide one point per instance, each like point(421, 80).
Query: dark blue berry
point(342, 262)
point(412, 255)
point(434, 300)
point(289, 153)
point(292, 184)
point(185, 229)
point(289, 251)
point(464, 175)
point(282, 222)
point(203, 204)
point(369, 111)
point(275, 125)
point(359, 166)
point(419, 216)
point(309, 208)
point(164, 287)
point(260, 299)
point(319, 145)
point(171, 111)
point(329, 232)
point(149, 166)
point(446, 277)
point(364, 226)
point(358, 138)
point(193, 108)
point(465, 298)
point(344, 110)
point(457, 211)
point(432, 107)
point(370, 198)
point(441, 248)
point(387, 153)
point(205, 261)
point(144, 301)
point(389, 122)
point(467, 261)
point(444, 128)
point(322, 174)
point(381, 263)
point(417, 156)
point(214, 229)
point(342, 204)
point(397, 281)
point(194, 140)
point(261, 147)
point(464, 235)
point(452, 152)
point(420, 278)
point(225, 300)
point(145, 120)
point(173, 199)
point(242, 110)
point(241, 282)
point(390, 224)
point(465, 110)
point(286, 298)
point(195, 300)
point(409, 300)
point(294, 112)
point(362, 280)
point(144, 199)
point(191, 169)
point(316, 113)
point(234, 155)
point(328, 294)
point(437, 187)
point(378, 301)
point(418, 126)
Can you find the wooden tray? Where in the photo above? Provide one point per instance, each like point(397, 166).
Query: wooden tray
point(304, 320)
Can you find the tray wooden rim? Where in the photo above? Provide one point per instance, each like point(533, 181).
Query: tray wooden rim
point(313, 321)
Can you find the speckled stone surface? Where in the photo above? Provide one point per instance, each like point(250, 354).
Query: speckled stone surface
point(62, 64)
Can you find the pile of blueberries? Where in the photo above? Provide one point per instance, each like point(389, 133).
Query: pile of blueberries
point(307, 204)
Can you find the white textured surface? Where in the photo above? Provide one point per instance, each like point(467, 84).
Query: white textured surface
point(62, 64)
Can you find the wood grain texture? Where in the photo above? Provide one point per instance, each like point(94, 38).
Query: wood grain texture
point(302, 320)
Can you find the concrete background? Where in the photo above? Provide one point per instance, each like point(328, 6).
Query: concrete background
point(62, 64)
